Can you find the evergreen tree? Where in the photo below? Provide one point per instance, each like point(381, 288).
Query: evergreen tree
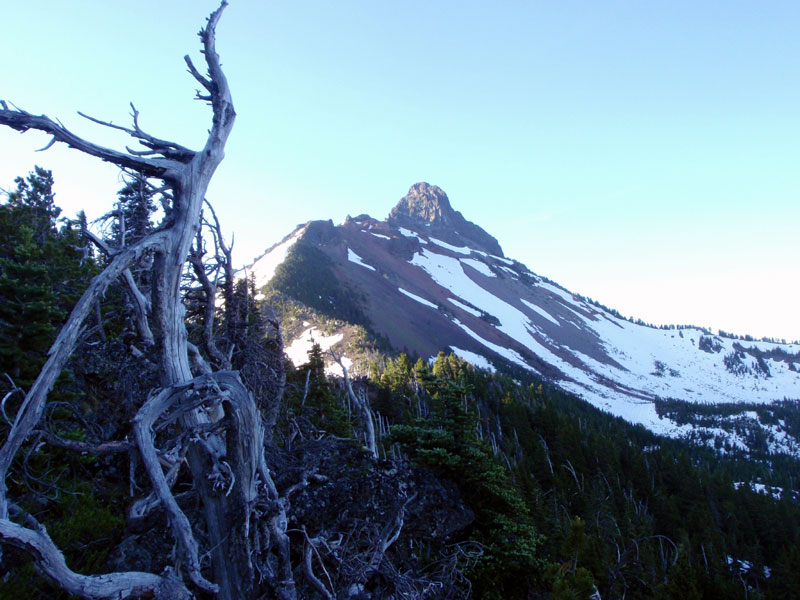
point(43, 270)
point(446, 442)
point(320, 402)
point(132, 218)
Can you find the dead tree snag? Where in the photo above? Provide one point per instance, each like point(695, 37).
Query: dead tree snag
point(212, 415)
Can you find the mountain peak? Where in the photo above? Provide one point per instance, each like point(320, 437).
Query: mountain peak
point(428, 205)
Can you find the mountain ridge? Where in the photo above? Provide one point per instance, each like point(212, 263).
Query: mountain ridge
point(424, 294)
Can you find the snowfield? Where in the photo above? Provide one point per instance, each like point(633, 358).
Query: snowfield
point(540, 311)
point(473, 358)
point(457, 249)
point(478, 266)
point(408, 233)
point(638, 363)
point(264, 267)
point(464, 307)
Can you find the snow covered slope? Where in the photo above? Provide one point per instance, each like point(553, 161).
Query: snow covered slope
point(429, 280)
point(263, 268)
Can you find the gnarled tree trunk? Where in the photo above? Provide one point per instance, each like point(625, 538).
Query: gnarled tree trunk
point(223, 427)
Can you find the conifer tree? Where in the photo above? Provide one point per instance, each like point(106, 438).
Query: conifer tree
point(43, 269)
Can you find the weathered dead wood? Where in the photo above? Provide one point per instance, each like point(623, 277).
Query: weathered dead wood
point(156, 146)
point(363, 407)
point(23, 121)
point(140, 305)
point(389, 535)
point(239, 452)
point(50, 560)
point(181, 529)
point(209, 290)
point(85, 448)
point(278, 375)
point(308, 568)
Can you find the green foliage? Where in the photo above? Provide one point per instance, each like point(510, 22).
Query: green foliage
point(81, 514)
point(45, 266)
point(570, 583)
point(132, 217)
point(43, 271)
point(617, 507)
point(312, 396)
point(445, 442)
point(307, 276)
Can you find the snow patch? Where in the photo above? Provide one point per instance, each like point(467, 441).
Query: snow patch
point(760, 488)
point(473, 358)
point(511, 272)
point(464, 307)
point(297, 351)
point(506, 353)
point(507, 261)
point(380, 235)
point(540, 311)
point(478, 266)
point(417, 298)
point(335, 370)
point(355, 258)
point(408, 233)
point(263, 269)
point(458, 249)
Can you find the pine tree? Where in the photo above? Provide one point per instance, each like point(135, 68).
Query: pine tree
point(445, 441)
point(321, 403)
point(43, 269)
point(133, 213)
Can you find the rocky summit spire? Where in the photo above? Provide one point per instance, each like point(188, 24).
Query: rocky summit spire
point(427, 203)
point(428, 206)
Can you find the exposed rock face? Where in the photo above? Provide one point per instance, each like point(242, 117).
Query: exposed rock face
point(426, 202)
point(428, 205)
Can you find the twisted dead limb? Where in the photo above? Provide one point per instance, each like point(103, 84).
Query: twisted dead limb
point(131, 584)
point(363, 406)
point(239, 438)
point(140, 303)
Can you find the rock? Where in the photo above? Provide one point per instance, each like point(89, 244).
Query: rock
point(427, 208)
point(426, 202)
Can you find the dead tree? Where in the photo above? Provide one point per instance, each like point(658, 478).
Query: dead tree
point(214, 415)
point(362, 403)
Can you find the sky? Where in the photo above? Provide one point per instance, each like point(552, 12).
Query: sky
point(643, 154)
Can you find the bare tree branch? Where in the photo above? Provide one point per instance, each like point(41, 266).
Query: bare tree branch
point(140, 303)
point(31, 410)
point(228, 517)
point(167, 149)
point(111, 447)
point(181, 529)
point(22, 121)
point(363, 407)
point(130, 584)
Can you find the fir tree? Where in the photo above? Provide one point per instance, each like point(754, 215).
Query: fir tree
point(43, 270)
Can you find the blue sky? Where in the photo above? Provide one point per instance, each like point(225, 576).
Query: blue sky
point(640, 153)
